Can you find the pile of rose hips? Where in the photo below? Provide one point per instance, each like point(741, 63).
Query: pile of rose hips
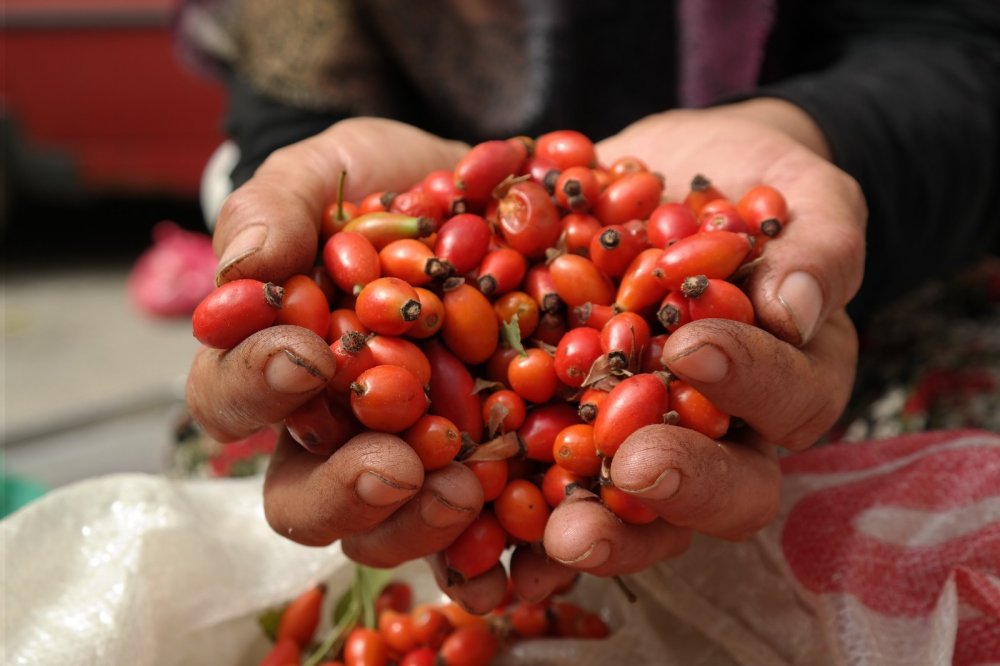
point(425, 634)
point(510, 314)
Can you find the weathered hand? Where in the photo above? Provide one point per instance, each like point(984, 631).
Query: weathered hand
point(788, 380)
point(372, 493)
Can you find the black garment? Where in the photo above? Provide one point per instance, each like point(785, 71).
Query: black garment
point(907, 93)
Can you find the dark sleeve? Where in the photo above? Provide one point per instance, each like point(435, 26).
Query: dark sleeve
point(259, 125)
point(908, 95)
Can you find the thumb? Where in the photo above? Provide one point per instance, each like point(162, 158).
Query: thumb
point(268, 229)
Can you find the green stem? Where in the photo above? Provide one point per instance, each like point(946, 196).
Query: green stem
point(334, 640)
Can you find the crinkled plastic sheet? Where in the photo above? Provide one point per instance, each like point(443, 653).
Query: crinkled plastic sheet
point(134, 569)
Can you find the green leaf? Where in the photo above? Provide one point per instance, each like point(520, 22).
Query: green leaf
point(512, 334)
point(269, 620)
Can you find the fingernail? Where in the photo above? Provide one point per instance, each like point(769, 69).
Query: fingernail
point(664, 487)
point(245, 243)
point(704, 363)
point(595, 555)
point(287, 373)
point(802, 297)
point(437, 511)
point(377, 490)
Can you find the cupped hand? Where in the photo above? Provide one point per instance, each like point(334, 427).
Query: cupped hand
point(787, 380)
point(372, 493)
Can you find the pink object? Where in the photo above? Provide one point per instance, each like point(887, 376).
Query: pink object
point(170, 278)
point(721, 46)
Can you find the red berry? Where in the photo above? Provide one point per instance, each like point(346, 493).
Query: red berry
point(234, 311)
point(478, 548)
point(388, 398)
point(636, 401)
point(387, 305)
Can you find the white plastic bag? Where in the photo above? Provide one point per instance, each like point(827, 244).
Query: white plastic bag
point(885, 553)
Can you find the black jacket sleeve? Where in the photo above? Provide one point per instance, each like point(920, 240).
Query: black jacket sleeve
point(259, 125)
point(908, 95)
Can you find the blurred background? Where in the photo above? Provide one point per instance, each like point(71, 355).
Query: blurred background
point(105, 133)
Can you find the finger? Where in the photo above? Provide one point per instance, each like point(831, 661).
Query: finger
point(535, 576)
point(448, 501)
point(585, 535)
point(315, 501)
point(477, 595)
point(718, 488)
point(233, 393)
point(814, 266)
point(268, 228)
point(790, 396)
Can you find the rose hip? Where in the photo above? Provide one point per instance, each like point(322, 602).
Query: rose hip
point(700, 193)
point(470, 329)
point(452, 390)
point(383, 227)
point(391, 350)
point(714, 255)
point(435, 439)
point(718, 299)
point(351, 260)
point(577, 188)
point(234, 311)
point(477, 549)
point(623, 340)
point(463, 241)
point(627, 507)
point(640, 285)
point(558, 482)
point(565, 149)
point(533, 376)
point(669, 223)
point(577, 231)
point(634, 402)
point(522, 510)
point(632, 197)
point(614, 249)
point(528, 219)
point(388, 398)
point(576, 353)
point(501, 270)
point(485, 165)
point(388, 305)
point(765, 210)
point(304, 304)
point(577, 280)
point(413, 262)
point(504, 411)
point(695, 411)
point(574, 449)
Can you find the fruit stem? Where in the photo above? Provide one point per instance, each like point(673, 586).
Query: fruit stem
point(273, 294)
point(629, 594)
point(340, 194)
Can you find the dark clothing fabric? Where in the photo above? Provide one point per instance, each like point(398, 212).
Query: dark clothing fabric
point(907, 92)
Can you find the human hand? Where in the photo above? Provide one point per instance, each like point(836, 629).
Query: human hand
point(372, 494)
point(787, 380)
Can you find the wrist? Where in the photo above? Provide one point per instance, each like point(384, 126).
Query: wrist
point(785, 117)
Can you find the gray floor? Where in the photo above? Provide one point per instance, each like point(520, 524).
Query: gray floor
point(91, 386)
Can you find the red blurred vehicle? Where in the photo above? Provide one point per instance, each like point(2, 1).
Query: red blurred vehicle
point(96, 101)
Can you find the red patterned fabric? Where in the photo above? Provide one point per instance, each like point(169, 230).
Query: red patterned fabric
point(899, 542)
